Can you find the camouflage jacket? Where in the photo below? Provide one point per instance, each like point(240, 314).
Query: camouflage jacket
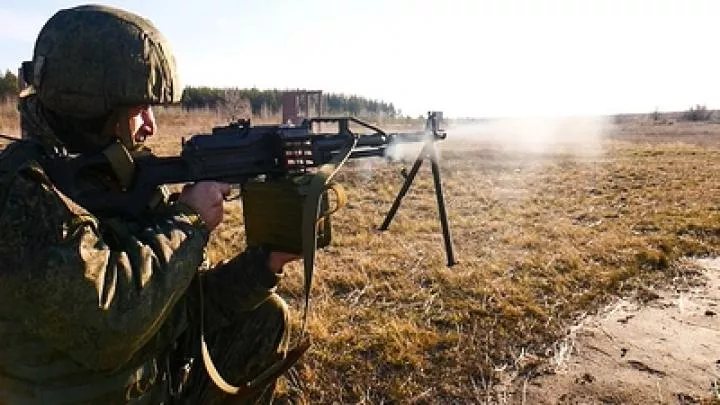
point(76, 312)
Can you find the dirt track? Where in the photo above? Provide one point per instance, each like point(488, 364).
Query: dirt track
point(664, 352)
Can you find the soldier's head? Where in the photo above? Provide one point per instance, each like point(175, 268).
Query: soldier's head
point(96, 70)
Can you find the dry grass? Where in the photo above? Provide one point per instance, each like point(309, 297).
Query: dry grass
point(543, 238)
point(9, 119)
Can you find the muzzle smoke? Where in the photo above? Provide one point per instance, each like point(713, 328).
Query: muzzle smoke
point(578, 136)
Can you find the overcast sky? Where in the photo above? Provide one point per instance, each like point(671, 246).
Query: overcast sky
point(466, 57)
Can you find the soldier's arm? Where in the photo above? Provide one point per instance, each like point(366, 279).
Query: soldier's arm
point(243, 283)
point(98, 304)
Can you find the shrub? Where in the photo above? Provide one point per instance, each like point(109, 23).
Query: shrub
point(697, 113)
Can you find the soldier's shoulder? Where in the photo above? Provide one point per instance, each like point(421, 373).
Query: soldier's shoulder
point(24, 185)
point(18, 156)
point(20, 168)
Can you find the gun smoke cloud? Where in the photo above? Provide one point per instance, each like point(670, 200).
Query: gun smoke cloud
point(528, 142)
point(573, 136)
point(405, 151)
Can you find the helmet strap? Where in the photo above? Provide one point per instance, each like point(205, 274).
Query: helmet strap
point(123, 127)
point(121, 162)
point(118, 152)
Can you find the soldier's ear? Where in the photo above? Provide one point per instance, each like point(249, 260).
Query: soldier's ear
point(117, 126)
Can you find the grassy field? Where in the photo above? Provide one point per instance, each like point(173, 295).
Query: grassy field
point(544, 236)
point(549, 224)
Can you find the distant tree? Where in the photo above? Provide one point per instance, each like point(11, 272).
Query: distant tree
point(8, 85)
point(699, 112)
point(202, 97)
point(234, 106)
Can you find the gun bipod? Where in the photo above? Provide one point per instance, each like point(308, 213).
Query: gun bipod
point(428, 152)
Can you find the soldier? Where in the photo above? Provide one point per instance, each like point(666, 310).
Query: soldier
point(98, 309)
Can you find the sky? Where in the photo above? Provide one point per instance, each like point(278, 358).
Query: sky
point(468, 58)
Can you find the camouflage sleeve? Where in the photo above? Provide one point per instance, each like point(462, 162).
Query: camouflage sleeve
point(241, 284)
point(98, 304)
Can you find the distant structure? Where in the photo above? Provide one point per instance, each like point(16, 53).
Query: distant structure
point(298, 105)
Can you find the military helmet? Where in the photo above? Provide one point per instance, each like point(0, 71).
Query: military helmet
point(91, 59)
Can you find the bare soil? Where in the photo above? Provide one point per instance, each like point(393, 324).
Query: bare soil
point(664, 351)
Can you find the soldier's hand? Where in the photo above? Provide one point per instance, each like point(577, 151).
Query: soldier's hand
point(206, 198)
point(276, 260)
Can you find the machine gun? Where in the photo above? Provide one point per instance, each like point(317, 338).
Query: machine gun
point(240, 153)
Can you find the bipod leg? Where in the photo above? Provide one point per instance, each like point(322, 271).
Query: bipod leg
point(441, 206)
point(428, 151)
point(406, 186)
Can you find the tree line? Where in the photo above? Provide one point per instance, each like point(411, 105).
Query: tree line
point(270, 101)
point(261, 102)
point(8, 86)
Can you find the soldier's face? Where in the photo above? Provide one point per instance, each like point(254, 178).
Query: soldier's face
point(141, 123)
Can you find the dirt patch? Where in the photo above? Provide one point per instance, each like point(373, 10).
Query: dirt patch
point(666, 351)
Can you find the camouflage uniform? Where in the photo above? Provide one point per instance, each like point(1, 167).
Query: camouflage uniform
point(95, 310)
